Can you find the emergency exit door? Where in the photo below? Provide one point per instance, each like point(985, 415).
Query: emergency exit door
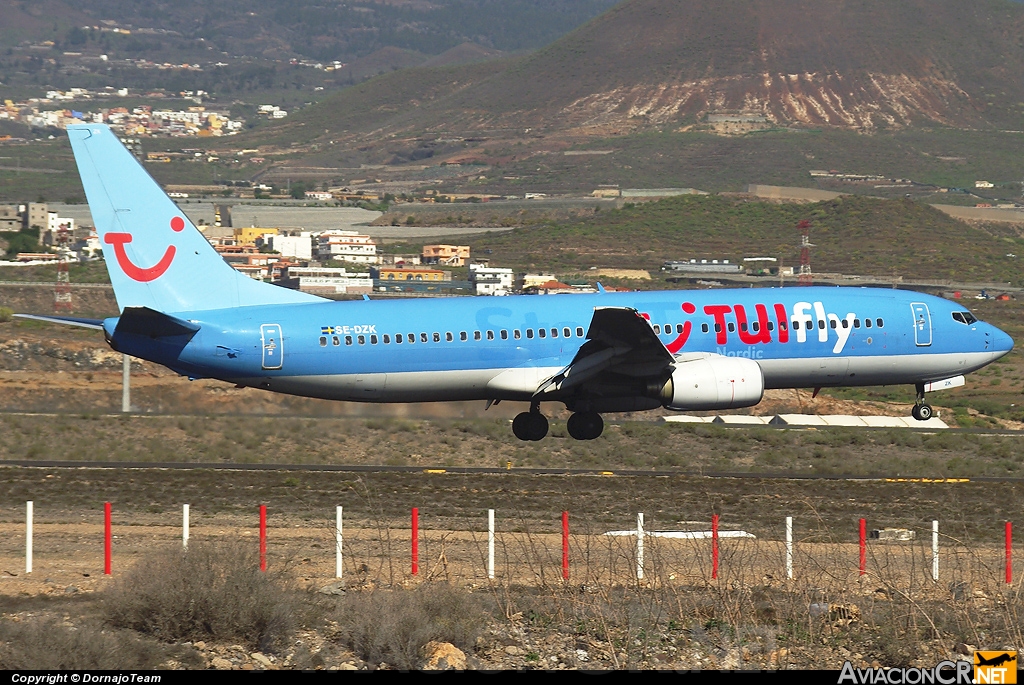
point(273, 349)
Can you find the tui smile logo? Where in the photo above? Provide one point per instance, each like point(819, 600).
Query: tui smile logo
point(139, 273)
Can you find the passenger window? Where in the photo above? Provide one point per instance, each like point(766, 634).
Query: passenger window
point(449, 337)
point(541, 333)
point(796, 324)
point(516, 334)
point(398, 338)
point(554, 332)
point(718, 327)
point(373, 340)
point(423, 337)
point(387, 339)
point(566, 332)
point(821, 325)
point(579, 331)
point(679, 328)
point(437, 337)
point(755, 326)
point(771, 326)
point(867, 322)
point(336, 340)
point(846, 323)
point(476, 335)
point(879, 323)
point(490, 335)
point(657, 329)
point(782, 326)
point(856, 323)
point(463, 336)
point(529, 333)
point(411, 337)
point(743, 327)
point(504, 334)
point(323, 341)
point(732, 327)
point(362, 340)
point(703, 328)
point(832, 323)
point(348, 339)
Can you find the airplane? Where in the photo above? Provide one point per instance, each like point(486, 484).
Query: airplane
point(181, 305)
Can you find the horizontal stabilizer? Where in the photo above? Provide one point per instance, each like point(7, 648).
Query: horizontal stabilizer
point(96, 324)
point(150, 323)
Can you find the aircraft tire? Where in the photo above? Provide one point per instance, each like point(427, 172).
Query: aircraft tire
point(914, 412)
point(521, 425)
point(537, 427)
point(586, 425)
point(924, 412)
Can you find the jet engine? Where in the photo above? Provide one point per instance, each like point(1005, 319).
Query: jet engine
point(711, 381)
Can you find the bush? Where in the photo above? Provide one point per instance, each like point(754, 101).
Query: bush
point(43, 644)
point(6, 314)
point(393, 625)
point(208, 591)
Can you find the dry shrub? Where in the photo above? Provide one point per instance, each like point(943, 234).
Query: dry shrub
point(46, 643)
point(206, 592)
point(392, 626)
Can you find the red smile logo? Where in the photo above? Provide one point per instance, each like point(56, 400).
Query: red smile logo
point(678, 343)
point(138, 273)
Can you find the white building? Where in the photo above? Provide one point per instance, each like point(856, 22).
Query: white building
point(347, 246)
point(490, 280)
point(298, 246)
point(323, 281)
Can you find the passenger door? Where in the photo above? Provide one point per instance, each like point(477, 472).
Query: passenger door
point(922, 324)
point(273, 347)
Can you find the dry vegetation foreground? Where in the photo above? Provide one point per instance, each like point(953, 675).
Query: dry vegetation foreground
point(211, 607)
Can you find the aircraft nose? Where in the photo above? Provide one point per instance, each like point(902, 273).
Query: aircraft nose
point(1001, 342)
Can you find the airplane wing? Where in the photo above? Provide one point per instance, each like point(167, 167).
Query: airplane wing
point(619, 341)
point(96, 324)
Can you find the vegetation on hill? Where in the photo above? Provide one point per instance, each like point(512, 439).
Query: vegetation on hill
point(852, 235)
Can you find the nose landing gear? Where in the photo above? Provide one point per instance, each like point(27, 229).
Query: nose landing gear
point(921, 411)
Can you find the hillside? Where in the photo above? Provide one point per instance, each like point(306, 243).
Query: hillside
point(864, 65)
point(852, 235)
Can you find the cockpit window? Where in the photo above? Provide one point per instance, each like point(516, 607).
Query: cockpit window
point(964, 318)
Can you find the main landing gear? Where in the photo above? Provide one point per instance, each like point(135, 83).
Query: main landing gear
point(922, 411)
point(533, 426)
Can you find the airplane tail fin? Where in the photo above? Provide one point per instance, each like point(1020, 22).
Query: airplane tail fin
point(155, 256)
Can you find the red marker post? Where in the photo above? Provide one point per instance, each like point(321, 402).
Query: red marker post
point(263, 537)
point(863, 547)
point(714, 546)
point(415, 541)
point(1009, 552)
point(565, 545)
point(106, 538)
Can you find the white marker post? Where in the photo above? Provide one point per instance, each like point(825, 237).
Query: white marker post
point(126, 393)
point(789, 547)
point(184, 526)
point(28, 536)
point(490, 543)
point(935, 551)
point(337, 543)
point(640, 546)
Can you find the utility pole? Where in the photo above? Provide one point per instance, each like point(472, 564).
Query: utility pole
point(805, 253)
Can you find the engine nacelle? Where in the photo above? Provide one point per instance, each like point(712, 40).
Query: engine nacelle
point(711, 381)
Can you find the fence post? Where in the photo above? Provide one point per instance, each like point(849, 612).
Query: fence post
point(789, 547)
point(490, 543)
point(337, 542)
point(863, 547)
point(415, 541)
point(263, 537)
point(1009, 552)
point(184, 526)
point(640, 546)
point(714, 546)
point(106, 538)
point(28, 536)
point(935, 551)
point(565, 545)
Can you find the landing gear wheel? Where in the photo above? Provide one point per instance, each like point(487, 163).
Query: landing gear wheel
point(923, 412)
point(530, 426)
point(585, 425)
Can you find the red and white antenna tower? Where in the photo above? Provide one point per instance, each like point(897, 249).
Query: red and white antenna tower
point(62, 291)
point(804, 277)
